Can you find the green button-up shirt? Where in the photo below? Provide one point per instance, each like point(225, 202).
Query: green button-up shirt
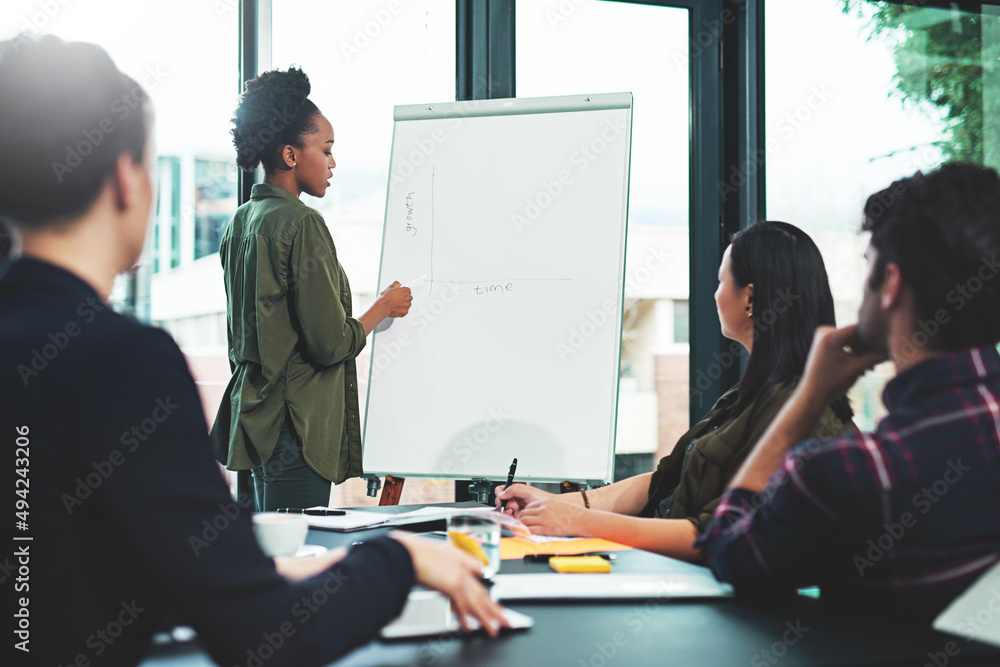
point(689, 482)
point(292, 340)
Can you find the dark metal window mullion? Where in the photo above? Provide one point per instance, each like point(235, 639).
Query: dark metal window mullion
point(254, 54)
point(485, 56)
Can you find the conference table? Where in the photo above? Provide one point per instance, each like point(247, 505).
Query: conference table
point(791, 632)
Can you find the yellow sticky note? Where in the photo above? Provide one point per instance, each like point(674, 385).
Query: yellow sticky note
point(579, 564)
point(516, 548)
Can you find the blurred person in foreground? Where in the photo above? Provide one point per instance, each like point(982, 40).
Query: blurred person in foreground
point(120, 482)
point(900, 520)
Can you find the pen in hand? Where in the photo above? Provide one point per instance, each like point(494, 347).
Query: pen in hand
point(510, 480)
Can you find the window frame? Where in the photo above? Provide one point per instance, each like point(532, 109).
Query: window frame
point(726, 79)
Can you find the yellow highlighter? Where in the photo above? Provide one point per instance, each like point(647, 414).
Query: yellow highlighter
point(591, 564)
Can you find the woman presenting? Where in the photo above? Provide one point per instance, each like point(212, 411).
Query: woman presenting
point(290, 412)
point(773, 293)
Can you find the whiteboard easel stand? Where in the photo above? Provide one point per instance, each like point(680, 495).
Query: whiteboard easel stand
point(479, 487)
point(456, 114)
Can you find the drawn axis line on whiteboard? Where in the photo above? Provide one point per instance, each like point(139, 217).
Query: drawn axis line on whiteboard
point(431, 292)
point(432, 281)
point(499, 280)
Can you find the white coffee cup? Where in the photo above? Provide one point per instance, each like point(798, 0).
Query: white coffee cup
point(280, 534)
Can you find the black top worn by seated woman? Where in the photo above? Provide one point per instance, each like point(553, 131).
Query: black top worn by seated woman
point(130, 515)
point(690, 481)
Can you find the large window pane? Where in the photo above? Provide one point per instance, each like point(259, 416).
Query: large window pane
point(883, 90)
point(591, 46)
point(363, 58)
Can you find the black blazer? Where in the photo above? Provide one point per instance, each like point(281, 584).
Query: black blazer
point(128, 512)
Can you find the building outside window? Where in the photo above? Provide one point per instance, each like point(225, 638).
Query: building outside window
point(166, 233)
point(215, 202)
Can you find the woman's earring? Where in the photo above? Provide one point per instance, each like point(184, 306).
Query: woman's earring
point(749, 312)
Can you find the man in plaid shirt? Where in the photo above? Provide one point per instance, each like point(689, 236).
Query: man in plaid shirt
point(902, 519)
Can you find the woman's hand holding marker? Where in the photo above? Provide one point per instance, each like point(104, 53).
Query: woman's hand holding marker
point(397, 299)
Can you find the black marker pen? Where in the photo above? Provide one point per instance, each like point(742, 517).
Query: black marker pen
point(510, 480)
point(311, 512)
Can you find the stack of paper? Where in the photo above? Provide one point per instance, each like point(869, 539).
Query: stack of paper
point(607, 586)
point(358, 519)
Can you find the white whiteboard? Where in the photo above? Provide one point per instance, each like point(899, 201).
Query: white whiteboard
point(507, 220)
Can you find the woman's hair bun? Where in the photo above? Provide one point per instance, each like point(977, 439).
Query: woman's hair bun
point(292, 85)
point(274, 110)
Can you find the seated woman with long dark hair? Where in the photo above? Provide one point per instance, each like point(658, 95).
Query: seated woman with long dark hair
point(773, 293)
